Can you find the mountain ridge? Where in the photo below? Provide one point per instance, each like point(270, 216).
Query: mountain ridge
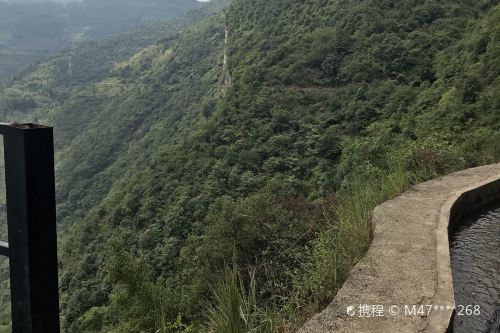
point(31, 31)
point(175, 176)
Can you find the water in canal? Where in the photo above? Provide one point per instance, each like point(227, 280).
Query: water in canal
point(475, 263)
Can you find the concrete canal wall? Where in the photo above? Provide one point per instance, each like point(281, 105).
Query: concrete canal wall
point(406, 272)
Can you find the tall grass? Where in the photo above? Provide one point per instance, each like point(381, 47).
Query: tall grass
point(346, 234)
point(235, 309)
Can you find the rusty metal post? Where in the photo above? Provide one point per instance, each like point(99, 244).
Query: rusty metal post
point(31, 219)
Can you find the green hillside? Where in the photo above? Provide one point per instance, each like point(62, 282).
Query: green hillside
point(194, 195)
point(32, 30)
point(84, 100)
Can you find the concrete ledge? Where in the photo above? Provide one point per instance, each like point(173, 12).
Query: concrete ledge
point(408, 262)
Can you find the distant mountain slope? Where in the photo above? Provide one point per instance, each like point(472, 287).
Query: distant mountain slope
point(167, 172)
point(30, 31)
point(133, 87)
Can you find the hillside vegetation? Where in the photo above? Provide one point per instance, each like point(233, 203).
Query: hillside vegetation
point(32, 30)
point(190, 202)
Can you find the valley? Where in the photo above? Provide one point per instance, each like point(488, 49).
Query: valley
point(239, 151)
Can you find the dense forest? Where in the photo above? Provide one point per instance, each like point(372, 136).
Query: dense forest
point(31, 30)
point(198, 194)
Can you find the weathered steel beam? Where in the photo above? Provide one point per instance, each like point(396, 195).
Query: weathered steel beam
point(31, 219)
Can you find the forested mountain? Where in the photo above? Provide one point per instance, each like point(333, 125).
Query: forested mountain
point(257, 136)
point(31, 30)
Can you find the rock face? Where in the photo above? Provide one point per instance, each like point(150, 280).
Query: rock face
point(403, 284)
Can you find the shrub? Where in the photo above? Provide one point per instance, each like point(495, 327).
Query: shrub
point(432, 157)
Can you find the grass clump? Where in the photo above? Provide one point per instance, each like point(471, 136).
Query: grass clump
point(235, 309)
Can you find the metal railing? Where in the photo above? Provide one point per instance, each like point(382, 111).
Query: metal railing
point(31, 223)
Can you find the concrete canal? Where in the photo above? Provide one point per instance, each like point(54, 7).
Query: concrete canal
point(475, 264)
